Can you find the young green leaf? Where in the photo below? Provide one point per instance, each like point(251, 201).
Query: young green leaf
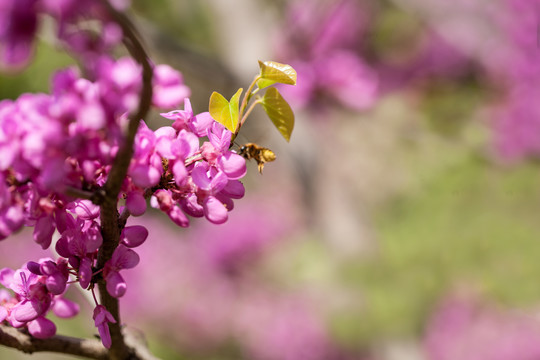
point(273, 72)
point(223, 111)
point(279, 112)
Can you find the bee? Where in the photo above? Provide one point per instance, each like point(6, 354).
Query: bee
point(261, 154)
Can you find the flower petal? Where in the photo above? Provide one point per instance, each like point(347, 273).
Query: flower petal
point(116, 286)
point(41, 328)
point(133, 236)
point(233, 165)
point(136, 203)
point(214, 210)
point(65, 308)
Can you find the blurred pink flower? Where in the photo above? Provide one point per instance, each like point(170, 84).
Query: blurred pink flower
point(468, 330)
point(323, 42)
point(217, 297)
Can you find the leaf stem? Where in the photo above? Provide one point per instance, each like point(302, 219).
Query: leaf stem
point(245, 100)
point(249, 110)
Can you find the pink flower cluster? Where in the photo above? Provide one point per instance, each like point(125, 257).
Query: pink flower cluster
point(56, 152)
point(53, 144)
point(37, 289)
point(169, 159)
point(19, 24)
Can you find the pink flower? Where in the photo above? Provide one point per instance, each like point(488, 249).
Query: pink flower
point(41, 328)
point(18, 25)
point(102, 318)
point(122, 258)
point(210, 184)
point(185, 119)
point(169, 87)
point(133, 236)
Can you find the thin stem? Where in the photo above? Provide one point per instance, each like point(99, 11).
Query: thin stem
point(246, 99)
point(94, 296)
point(259, 101)
point(192, 159)
point(78, 193)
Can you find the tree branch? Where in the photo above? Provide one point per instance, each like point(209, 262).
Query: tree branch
point(17, 339)
point(110, 228)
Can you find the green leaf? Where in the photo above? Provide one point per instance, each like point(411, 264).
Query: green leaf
point(223, 111)
point(273, 72)
point(279, 112)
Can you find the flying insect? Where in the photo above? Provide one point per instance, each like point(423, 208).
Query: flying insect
point(260, 154)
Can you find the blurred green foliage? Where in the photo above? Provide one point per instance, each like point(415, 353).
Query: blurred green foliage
point(475, 225)
point(34, 78)
point(190, 22)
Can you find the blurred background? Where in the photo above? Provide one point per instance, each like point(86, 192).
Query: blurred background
point(401, 222)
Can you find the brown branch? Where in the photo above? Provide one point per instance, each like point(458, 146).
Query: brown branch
point(17, 339)
point(89, 348)
point(110, 228)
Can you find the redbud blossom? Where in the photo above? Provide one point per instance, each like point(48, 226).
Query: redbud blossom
point(102, 318)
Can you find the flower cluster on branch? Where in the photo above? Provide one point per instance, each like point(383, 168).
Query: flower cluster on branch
point(58, 152)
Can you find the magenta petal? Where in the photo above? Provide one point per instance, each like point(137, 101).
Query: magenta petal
point(191, 206)
point(233, 165)
point(92, 116)
point(234, 189)
point(226, 201)
point(185, 145)
point(201, 124)
point(56, 283)
point(105, 335)
point(133, 236)
point(167, 97)
point(180, 172)
point(214, 210)
point(200, 178)
point(16, 324)
point(136, 203)
point(219, 136)
point(116, 286)
point(145, 175)
point(47, 267)
point(124, 258)
point(85, 272)
point(27, 310)
point(93, 239)
point(6, 277)
point(63, 221)
point(167, 132)
point(85, 209)
point(101, 319)
point(178, 217)
point(41, 328)
point(43, 231)
point(187, 106)
point(35, 268)
point(62, 247)
point(14, 218)
point(53, 174)
point(65, 308)
point(163, 147)
point(219, 181)
point(162, 199)
point(3, 313)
